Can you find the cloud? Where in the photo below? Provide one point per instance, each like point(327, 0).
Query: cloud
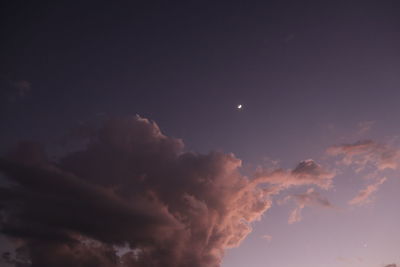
point(350, 260)
point(309, 198)
point(13, 89)
point(364, 127)
point(363, 197)
point(367, 153)
point(21, 87)
point(307, 172)
point(132, 186)
point(391, 265)
point(267, 237)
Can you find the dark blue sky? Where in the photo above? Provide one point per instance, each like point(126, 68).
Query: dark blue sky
point(186, 65)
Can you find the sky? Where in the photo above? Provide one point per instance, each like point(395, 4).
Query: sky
point(122, 143)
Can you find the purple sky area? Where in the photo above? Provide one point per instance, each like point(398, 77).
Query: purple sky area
point(122, 143)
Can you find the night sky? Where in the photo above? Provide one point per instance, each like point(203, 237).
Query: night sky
point(122, 143)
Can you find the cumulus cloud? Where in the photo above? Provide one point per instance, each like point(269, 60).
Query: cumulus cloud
point(309, 198)
point(364, 196)
point(367, 153)
point(134, 187)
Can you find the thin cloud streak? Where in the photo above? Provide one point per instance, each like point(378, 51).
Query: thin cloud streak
point(364, 196)
point(309, 198)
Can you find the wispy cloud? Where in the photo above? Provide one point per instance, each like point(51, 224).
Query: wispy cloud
point(364, 196)
point(367, 153)
point(350, 260)
point(13, 89)
point(267, 237)
point(364, 127)
point(307, 172)
point(21, 87)
point(309, 198)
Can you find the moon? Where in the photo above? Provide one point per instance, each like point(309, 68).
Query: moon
point(240, 106)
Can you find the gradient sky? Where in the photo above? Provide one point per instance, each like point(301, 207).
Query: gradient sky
point(310, 76)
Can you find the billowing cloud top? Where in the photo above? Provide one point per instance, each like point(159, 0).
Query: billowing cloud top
point(134, 187)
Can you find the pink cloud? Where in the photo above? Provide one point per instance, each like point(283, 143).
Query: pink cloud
point(367, 153)
point(309, 198)
point(364, 196)
point(307, 172)
point(351, 260)
point(132, 185)
point(267, 237)
point(364, 127)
